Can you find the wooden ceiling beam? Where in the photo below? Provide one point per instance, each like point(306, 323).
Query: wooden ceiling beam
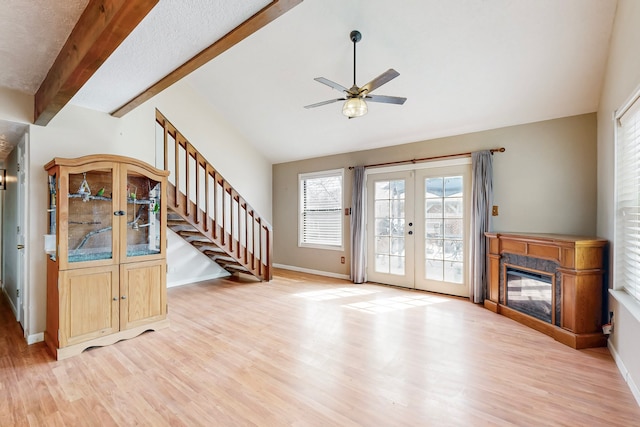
point(103, 25)
point(263, 17)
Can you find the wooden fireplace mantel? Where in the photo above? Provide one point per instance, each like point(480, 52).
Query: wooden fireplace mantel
point(579, 262)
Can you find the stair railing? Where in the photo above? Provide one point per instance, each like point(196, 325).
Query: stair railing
point(204, 198)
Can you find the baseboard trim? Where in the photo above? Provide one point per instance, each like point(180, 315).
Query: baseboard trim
point(625, 373)
point(34, 338)
point(14, 309)
point(311, 271)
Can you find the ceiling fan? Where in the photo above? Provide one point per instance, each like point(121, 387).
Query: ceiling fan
point(355, 105)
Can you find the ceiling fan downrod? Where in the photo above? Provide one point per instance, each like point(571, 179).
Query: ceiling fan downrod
point(355, 37)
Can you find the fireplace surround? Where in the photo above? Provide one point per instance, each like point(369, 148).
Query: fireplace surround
point(552, 283)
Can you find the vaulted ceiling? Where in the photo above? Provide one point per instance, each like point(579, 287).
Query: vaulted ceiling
point(465, 65)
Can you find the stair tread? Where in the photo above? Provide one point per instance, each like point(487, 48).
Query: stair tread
point(200, 244)
point(236, 268)
point(190, 233)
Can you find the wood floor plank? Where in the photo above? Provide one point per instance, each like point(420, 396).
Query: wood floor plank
point(306, 350)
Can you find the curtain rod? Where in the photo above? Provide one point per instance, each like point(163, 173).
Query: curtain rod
point(426, 159)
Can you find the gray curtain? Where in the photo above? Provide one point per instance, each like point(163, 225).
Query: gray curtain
point(358, 250)
point(481, 200)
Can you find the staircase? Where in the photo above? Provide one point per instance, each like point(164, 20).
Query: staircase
point(208, 213)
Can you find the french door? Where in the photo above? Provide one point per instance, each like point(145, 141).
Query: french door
point(418, 229)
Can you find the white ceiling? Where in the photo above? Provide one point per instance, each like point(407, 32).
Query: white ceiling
point(465, 65)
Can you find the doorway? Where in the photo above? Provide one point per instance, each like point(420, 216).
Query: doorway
point(418, 227)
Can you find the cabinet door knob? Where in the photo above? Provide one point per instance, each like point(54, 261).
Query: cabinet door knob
point(124, 297)
point(410, 232)
point(115, 298)
point(118, 213)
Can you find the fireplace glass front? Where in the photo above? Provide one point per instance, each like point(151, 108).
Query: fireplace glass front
point(530, 293)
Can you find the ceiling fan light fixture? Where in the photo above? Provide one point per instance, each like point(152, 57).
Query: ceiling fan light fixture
point(354, 107)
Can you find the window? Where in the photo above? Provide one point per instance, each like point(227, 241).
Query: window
point(627, 221)
point(320, 220)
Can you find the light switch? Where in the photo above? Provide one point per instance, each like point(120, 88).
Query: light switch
point(494, 211)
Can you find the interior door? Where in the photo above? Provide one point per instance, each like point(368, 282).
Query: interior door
point(390, 243)
point(418, 228)
point(442, 226)
point(21, 229)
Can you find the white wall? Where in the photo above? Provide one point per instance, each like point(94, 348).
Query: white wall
point(621, 81)
point(76, 132)
point(187, 264)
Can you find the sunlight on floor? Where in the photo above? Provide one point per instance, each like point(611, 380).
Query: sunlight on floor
point(327, 294)
point(395, 303)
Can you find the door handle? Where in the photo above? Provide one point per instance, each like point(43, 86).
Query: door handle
point(119, 213)
point(20, 246)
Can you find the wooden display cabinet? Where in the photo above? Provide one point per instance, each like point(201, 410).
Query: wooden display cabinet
point(106, 267)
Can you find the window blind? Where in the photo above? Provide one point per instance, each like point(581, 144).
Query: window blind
point(627, 244)
point(321, 209)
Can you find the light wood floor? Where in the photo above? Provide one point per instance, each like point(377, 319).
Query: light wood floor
point(305, 350)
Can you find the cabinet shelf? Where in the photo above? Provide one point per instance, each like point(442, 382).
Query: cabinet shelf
point(109, 199)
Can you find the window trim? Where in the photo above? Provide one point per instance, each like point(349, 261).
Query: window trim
point(319, 174)
point(618, 291)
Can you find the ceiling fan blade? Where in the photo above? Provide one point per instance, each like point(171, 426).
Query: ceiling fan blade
point(318, 104)
point(386, 99)
point(331, 84)
point(383, 78)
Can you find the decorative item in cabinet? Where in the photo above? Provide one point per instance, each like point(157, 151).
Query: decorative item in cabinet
point(106, 247)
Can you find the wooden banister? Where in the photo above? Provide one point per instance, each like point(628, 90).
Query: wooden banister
point(205, 199)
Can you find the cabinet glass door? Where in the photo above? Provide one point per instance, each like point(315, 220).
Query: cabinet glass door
point(90, 212)
point(143, 196)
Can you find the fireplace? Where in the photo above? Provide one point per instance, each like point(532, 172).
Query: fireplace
point(531, 292)
point(549, 282)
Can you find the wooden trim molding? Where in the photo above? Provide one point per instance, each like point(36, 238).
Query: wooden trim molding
point(103, 25)
point(263, 17)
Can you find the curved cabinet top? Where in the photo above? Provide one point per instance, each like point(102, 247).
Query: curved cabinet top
point(79, 161)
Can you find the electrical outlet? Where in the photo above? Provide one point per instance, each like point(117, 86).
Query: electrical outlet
point(342, 260)
point(494, 211)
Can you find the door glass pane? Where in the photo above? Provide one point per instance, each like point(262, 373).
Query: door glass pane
point(434, 228)
point(50, 238)
point(382, 245)
point(453, 228)
point(143, 215)
point(382, 209)
point(444, 229)
point(434, 249)
point(452, 186)
point(397, 227)
point(433, 269)
point(90, 216)
point(453, 207)
point(397, 265)
point(433, 208)
point(389, 196)
point(434, 188)
point(382, 263)
point(397, 246)
point(453, 272)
